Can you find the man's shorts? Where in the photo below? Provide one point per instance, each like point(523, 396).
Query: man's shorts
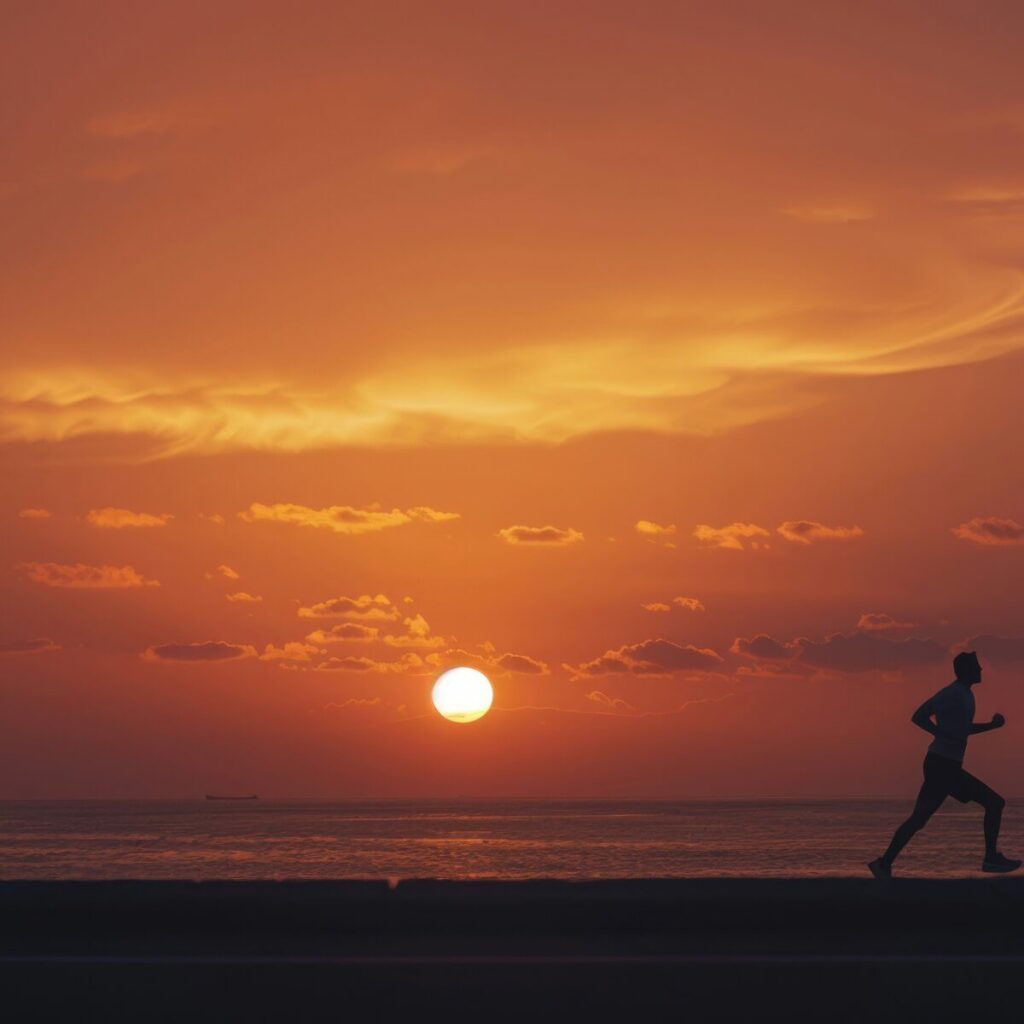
point(945, 777)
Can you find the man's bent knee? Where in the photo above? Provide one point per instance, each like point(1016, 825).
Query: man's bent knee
point(989, 799)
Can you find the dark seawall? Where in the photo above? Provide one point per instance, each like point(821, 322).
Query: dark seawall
point(822, 949)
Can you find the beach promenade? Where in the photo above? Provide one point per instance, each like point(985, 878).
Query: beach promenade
point(823, 949)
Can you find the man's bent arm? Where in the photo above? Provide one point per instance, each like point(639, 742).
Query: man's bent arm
point(922, 718)
point(996, 723)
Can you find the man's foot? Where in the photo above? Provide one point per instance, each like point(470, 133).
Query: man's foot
point(998, 863)
point(880, 869)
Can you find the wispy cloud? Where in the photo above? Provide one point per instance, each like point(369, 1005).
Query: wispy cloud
point(224, 571)
point(376, 608)
point(341, 632)
point(81, 577)
point(344, 519)
point(292, 651)
point(35, 513)
point(119, 518)
point(994, 531)
point(656, 533)
point(540, 536)
point(200, 651)
point(417, 634)
point(845, 652)
point(734, 537)
point(409, 664)
point(881, 621)
point(806, 531)
point(40, 645)
point(244, 597)
point(615, 703)
point(649, 658)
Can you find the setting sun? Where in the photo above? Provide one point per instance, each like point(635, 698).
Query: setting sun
point(463, 694)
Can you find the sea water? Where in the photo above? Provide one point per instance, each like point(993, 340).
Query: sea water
point(396, 839)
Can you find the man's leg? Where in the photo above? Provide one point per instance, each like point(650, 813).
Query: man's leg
point(923, 810)
point(993, 804)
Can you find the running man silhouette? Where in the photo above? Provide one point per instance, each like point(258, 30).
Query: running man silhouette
point(944, 775)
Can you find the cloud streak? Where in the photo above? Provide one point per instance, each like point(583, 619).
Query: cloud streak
point(111, 518)
point(649, 658)
point(540, 536)
point(343, 519)
point(40, 645)
point(991, 531)
point(806, 531)
point(198, 652)
point(734, 537)
point(86, 577)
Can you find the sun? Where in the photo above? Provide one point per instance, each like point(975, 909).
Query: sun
point(463, 694)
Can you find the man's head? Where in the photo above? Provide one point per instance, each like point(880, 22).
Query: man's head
point(967, 668)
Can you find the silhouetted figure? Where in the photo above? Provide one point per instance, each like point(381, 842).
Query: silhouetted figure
point(944, 775)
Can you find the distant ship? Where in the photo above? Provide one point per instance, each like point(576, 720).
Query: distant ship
point(210, 796)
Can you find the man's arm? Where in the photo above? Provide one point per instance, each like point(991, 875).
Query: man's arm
point(922, 717)
point(997, 723)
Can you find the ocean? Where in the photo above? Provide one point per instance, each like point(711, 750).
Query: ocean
point(392, 839)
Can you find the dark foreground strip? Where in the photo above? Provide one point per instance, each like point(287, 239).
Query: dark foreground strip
point(668, 959)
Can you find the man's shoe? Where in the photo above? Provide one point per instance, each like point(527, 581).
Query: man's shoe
point(880, 869)
point(998, 863)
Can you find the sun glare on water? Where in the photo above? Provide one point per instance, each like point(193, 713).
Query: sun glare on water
point(463, 694)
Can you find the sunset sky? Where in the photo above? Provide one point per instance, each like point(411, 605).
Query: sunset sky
point(664, 361)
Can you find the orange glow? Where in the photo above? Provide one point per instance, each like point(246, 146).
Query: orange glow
point(668, 376)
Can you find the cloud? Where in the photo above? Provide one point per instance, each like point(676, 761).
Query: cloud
point(520, 664)
point(656, 533)
point(689, 603)
point(408, 664)
point(762, 647)
point(342, 632)
point(35, 513)
point(242, 597)
point(487, 658)
point(80, 576)
point(212, 517)
point(732, 537)
point(343, 518)
point(223, 570)
point(806, 531)
point(614, 703)
point(649, 658)
point(291, 651)
point(845, 652)
point(865, 652)
point(363, 607)
point(37, 646)
point(881, 621)
point(119, 518)
point(205, 650)
point(418, 635)
point(991, 530)
point(540, 536)
point(354, 704)
point(997, 649)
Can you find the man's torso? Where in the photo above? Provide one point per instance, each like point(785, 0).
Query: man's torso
point(953, 707)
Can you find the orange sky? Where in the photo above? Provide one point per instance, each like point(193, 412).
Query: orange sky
point(662, 360)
